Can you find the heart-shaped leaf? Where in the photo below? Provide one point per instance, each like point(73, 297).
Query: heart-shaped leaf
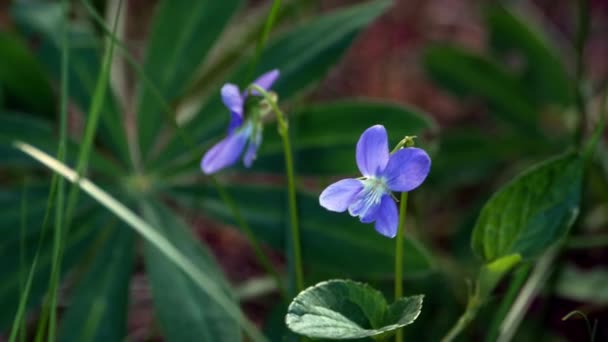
point(344, 309)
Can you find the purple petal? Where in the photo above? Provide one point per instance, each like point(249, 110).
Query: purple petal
point(338, 196)
point(387, 217)
point(224, 153)
point(365, 205)
point(372, 151)
point(266, 80)
point(252, 149)
point(407, 169)
point(234, 101)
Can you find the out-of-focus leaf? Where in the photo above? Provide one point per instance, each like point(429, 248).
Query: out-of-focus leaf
point(532, 212)
point(303, 55)
point(544, 75)
point(344, 309)
point(182, 34)
point(583, 285)
point(467, 74)
point(19, 126)
point(325, 135)
point(332, 243)
point(80, 238)
point(185, 312)
point(43, 22)
point(98, 308)
point(23, 77)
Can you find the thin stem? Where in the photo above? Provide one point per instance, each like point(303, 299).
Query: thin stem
point(399, 255)
point(61, 155)
point(293, 212)
point(467, 317)
point(246, 229)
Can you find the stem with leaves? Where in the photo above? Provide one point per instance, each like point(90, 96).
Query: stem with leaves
point(283, 128)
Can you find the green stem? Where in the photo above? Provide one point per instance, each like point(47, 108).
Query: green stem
point(399, 255)
point(293, 212)
point(464, 320)
point(246, 229)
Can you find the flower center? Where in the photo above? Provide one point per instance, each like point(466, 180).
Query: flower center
point(374, 188)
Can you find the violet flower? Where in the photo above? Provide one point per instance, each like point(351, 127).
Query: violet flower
point(370, 197)
point(242, 130)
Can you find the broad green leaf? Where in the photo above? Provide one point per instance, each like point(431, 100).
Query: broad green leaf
point(13, 278)
point(182, 34)
point(532, 212)
point(332, 243)
point(98, 308)
point(19, 126)
point(588, 286)
point(202, 279)
point(466, 74)
point(325, 135)
point(303, 55)
point(23, 77)
point(43, 21)
point(344, 309)
point(544, 75)
point(185, 312)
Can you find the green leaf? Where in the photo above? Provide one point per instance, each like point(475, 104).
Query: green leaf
point(150, 233)
point(43, 22)
point(98, 308)
point(80, 238)
point(344, 309)
point(466, 74)
point(325, 135)
point(185, 312)
point(544, 75)
point(331, 242)
point(19, 126)
point(182, 35)
point(23, 77)
point(303, 55)
point(532, 212)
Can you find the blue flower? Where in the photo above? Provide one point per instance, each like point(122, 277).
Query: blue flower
point(241, 131)
point(370, 197)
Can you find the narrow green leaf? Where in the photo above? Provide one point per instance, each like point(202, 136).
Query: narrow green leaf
point(98, 308)
point(466, 74)
point(152, 235)
point(544, 75)
point(331, 242)
point(23, 78)
point(532, 212)
point(344, 309)
point(303, 55)
point(182, 34)
point(43, 21)
point(185, 312)
point(20, 126)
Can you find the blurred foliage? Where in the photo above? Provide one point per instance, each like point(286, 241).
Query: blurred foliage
point(148, 147)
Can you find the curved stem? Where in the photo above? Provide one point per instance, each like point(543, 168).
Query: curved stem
point(246, 229)
point(293, 212)
point(464, 320)
point(399, 255)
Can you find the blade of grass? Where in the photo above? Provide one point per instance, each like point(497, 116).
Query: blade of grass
point(146, 231)
point(22, 278)
point(61, 155)
point(270, 20)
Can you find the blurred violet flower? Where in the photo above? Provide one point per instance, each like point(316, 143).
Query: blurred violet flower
point(241, 131)
point(370, 197)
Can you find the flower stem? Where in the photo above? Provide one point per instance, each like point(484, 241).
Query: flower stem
point(399, 255)
point(293, 212)
point(259, 253)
